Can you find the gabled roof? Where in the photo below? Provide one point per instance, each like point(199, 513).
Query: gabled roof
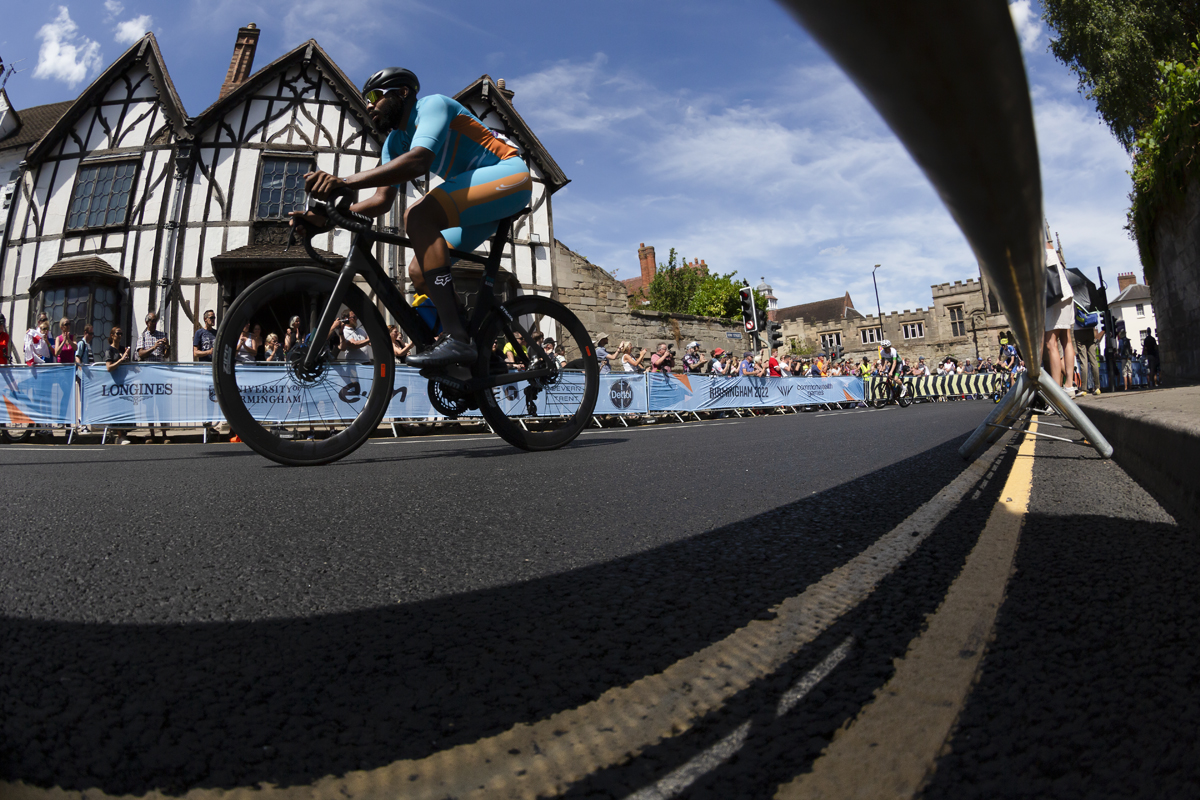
point(1136, 293)
point(308, 52)
point(820, 311)
point(32, 123)
point(485, 89)
point(144, 49)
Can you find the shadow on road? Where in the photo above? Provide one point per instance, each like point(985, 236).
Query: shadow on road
point(132, 708)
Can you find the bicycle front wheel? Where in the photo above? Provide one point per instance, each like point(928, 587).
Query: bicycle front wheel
point(543, 413)
point(879, 392)
point(291, 413)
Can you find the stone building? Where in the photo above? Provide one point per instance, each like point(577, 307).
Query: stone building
point(958, 323)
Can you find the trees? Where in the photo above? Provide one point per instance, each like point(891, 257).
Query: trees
point(683, 288)
point(1114, 46)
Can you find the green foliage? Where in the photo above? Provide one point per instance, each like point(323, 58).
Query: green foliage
point(1164, 154)
point(678, 288)
point(801, 349)
point(1115, 46)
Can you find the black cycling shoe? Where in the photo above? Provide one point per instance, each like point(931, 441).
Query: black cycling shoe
point(446, 353)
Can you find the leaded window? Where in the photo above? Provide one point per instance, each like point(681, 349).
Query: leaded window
point(82, 303)
point(281, 187)
point(102, 195)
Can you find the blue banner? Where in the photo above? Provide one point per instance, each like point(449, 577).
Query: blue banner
point(139, 394)
point(43, 394)
point(686, 392)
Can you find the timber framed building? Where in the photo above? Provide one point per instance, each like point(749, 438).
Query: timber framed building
point(126, 204)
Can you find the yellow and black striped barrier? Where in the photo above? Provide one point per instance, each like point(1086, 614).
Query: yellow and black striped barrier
point(944, 385)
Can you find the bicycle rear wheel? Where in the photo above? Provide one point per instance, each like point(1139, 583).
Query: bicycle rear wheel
point(879, 392)
point(291, 414)
point(544, 413)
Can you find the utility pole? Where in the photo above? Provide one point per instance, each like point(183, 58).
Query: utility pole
point(878, 310)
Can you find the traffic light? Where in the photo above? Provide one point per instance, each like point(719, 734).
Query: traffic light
point(749, 310)
point(774, 335)
point(838, 352)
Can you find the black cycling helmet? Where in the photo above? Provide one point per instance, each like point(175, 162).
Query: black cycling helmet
point(391, 78)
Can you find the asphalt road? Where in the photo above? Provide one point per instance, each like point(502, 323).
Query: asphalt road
point(174, 617)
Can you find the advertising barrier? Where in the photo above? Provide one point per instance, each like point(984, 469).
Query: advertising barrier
point(687, 392)
point(949, 385)
point(42, 394)
point(140, 394)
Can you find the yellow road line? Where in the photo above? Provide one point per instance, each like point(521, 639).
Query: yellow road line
point(890, 750)
point(546, 757)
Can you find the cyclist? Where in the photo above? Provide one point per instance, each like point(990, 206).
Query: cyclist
point(889, 359)
point(485, 180)
point(1008, 358)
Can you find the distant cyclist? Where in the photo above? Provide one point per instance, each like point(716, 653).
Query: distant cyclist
point(889, 361)
point(485, 180)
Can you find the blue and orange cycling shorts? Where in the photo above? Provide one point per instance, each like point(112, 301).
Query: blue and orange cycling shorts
point(475, 200)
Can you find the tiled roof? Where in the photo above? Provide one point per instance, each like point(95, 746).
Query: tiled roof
point(35, 121)
point(88, 266)
point(270, 252)
point(821, 310)
point(1138, 291)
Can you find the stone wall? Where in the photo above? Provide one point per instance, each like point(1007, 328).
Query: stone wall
point(1175, 289)
point(602, 303)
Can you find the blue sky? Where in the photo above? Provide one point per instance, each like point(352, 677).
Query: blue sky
point(716, 128)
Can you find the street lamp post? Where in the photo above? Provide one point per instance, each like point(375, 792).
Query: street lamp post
point(878, 309)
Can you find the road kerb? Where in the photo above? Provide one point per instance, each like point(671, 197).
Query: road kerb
point(891, 748)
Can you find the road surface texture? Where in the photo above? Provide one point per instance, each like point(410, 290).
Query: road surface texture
point(715, 609)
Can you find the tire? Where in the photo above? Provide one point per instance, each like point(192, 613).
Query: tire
point(12, 434)
point(878, 393)
point(567, 399)
point(318, 417)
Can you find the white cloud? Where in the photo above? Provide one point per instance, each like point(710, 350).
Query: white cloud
point(65, 55)
point(1025, 20)
point(114, 8)
point(840, 250)
point(131, 30)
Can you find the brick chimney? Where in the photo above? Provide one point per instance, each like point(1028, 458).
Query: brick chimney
point(1125, 280)
point(242, 62)
point(649, 265)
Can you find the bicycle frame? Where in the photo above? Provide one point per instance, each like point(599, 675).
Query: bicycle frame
point(360, 261)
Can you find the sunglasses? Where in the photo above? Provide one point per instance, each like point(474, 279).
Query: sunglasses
point(375, 95)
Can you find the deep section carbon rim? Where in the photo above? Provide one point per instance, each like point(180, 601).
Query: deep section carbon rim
point(286, 411)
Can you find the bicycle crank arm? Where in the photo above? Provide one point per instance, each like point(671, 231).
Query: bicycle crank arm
point(478, 384)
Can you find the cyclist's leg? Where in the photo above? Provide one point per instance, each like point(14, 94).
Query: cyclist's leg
point(460, 214)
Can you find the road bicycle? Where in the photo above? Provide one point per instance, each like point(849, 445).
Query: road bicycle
point(890, 390)
point(1003, 382)
point(315, 408)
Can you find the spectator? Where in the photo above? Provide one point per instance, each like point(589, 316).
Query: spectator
point(83, 350)
point(746, 366)
point(291, 336)
point(114, 357)
point(663, 359)
point(864, 369)
point(205, 338)
point(510, 352)
point(399, 347)
point(152, 345)
point(37, 342)
point(64, 345)
point(355, 343)
point(1150, 351)
point(628, 362)
point(920, 370)
point(247, 346)
point(1126, 354)
point(717, 364)
point(602, 354)
point(8, 351)
point(560, 353)
point(692, 360)
point(273, 348)
point(1060, 319)
point(772, 364)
